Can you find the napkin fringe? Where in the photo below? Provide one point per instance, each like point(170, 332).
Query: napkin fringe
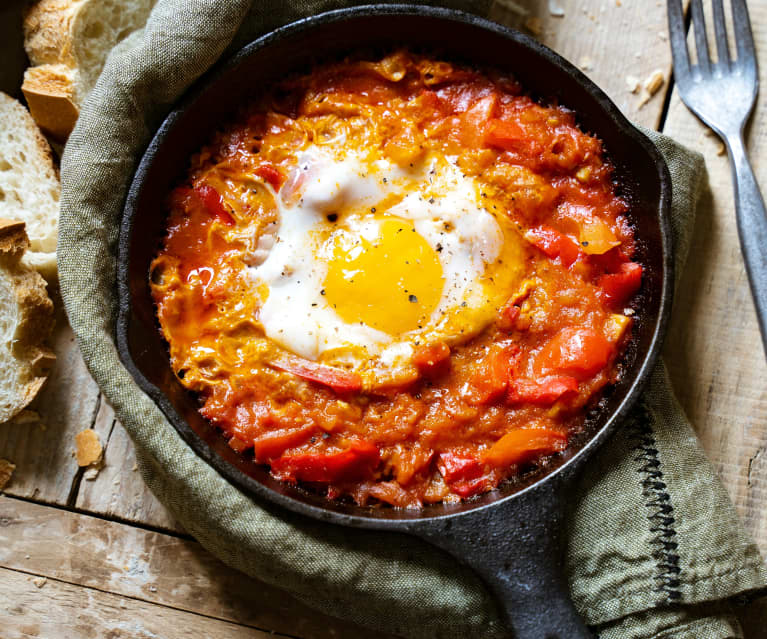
point(660, 510)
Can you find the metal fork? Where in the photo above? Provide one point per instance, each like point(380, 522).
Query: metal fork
point(723, 94)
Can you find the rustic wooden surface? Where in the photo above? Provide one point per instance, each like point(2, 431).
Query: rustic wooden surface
point(81, 551)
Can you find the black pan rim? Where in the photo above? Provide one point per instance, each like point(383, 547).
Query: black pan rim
point(374, 520)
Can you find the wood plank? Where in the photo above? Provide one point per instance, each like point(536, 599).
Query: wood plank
point(150, 567)
point(608, 40)
point(42, 449)
point(118, 491)
point(58, 609)
point(714, 350)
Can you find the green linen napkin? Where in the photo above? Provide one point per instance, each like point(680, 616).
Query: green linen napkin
point(655, 547)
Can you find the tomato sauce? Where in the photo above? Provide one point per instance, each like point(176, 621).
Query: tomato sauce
point(474, 413)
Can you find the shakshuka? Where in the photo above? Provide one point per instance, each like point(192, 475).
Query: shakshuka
point(398, 281)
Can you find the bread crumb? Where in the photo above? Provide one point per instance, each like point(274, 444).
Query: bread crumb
point(652, 85)
point(654, 82)
point(618, 3)
point(534, 25)
point(722, 149)
point(91, 473)
point(88, 447)
point(40, 581)
point(6, 470)
point(555, 9)
point(26, 416)
point(633, 83)
point(135, 467)
point(586, 63)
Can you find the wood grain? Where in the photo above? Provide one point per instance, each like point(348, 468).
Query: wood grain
point(42, 450)
point(713, 350)
point(118, 490)
point(58, 609)
point(149, 567)
point(608, 40)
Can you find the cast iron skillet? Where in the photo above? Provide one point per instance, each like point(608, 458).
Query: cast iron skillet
point(513, 536)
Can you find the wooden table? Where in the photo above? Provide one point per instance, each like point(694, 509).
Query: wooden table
point(103, 558)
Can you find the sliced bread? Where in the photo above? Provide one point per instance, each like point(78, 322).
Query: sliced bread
point(29, 184)
point(26, 322)
point(67, 42)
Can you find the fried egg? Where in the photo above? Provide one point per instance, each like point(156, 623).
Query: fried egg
point(368, 260)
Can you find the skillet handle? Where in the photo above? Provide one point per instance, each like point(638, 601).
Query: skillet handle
point(517, 548)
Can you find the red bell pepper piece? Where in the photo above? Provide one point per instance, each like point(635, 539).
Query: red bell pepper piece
point(541, 392)
point(214, 203)
point(466, 476)
point(275, 443)
point(455, 467)
point(336, 378)
point(471, 487)
point(271, 175)
point(554, 244)
point(523, 444)
point(431, 359)
point(577, 352)
point(618, 287)
point(356, 463)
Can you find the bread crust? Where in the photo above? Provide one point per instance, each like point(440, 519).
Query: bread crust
point(48, 91)
point(35, 320)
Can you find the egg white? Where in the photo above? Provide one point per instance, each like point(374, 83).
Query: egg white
point(442, 204)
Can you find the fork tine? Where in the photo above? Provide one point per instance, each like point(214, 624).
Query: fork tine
point(720, 29)
point(701, 44)
point(743, 36)
point(678, 39)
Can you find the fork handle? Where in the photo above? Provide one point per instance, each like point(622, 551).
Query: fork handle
point(752, 227)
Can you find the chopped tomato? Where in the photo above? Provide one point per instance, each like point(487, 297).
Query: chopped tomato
point(506, 134)
point(508, 316)
point(214, 203)
point(475, 120)
point(466, 476)
point(618, 287)
point(523, 444)
point(489, 382)
point(432, 358)
point(577, 352)
point(353, 464)
point(275, 443)
point(554, 244)
point(455, 467)
point(271, 175)
point(237, 444)
point(542, 392)
point(336, 378)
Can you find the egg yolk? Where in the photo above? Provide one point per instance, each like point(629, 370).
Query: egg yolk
point(391, 283)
